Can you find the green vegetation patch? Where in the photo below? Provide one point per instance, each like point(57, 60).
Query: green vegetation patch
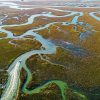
point(10, 51)
point(3, 35)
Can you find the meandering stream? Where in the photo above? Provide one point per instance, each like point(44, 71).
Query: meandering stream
point(12, 86)
point(92, 14)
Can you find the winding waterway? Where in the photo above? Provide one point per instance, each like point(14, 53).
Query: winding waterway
point(92, 14)
point(12, 86)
